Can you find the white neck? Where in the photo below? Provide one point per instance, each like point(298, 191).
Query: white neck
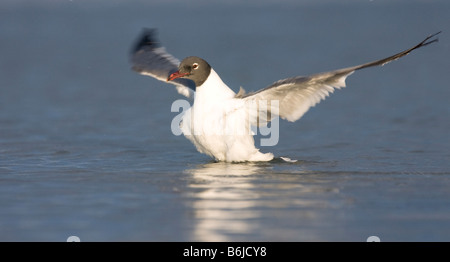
point(213, 89)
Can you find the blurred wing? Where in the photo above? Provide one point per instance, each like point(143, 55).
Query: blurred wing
point(296, 95)
point(149, 58)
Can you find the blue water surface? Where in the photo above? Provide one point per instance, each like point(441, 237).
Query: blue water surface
point(86, 148)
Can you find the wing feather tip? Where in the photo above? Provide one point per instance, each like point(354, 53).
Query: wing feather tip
point(147, 38)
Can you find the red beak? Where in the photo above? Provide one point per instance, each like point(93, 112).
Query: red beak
point(176, 75)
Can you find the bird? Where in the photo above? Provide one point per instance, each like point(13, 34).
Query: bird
point(219, 121)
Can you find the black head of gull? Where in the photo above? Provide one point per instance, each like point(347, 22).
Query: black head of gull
point(193, 68)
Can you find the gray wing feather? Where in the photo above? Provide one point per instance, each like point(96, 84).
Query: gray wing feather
point(148, 57)
point(297, 94)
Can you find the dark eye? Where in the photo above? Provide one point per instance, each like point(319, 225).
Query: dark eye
point(195, 65)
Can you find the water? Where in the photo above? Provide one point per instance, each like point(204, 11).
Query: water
point(86, 147)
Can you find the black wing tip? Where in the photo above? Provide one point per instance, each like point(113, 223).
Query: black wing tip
point(147, 38)
point(429, 39)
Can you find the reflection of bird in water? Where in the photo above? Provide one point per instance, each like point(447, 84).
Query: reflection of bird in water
point(233, 201)
point(225, 200)
point(219, 169)
point(219, 122)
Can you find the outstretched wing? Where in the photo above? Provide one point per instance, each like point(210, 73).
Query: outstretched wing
point(297, 94)
point(148, 57)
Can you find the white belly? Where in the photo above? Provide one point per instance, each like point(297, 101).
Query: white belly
point(225, 136)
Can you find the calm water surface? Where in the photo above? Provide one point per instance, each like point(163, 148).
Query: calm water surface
point(86, 147)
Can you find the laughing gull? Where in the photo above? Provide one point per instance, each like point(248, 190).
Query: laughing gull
point(219, 121)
